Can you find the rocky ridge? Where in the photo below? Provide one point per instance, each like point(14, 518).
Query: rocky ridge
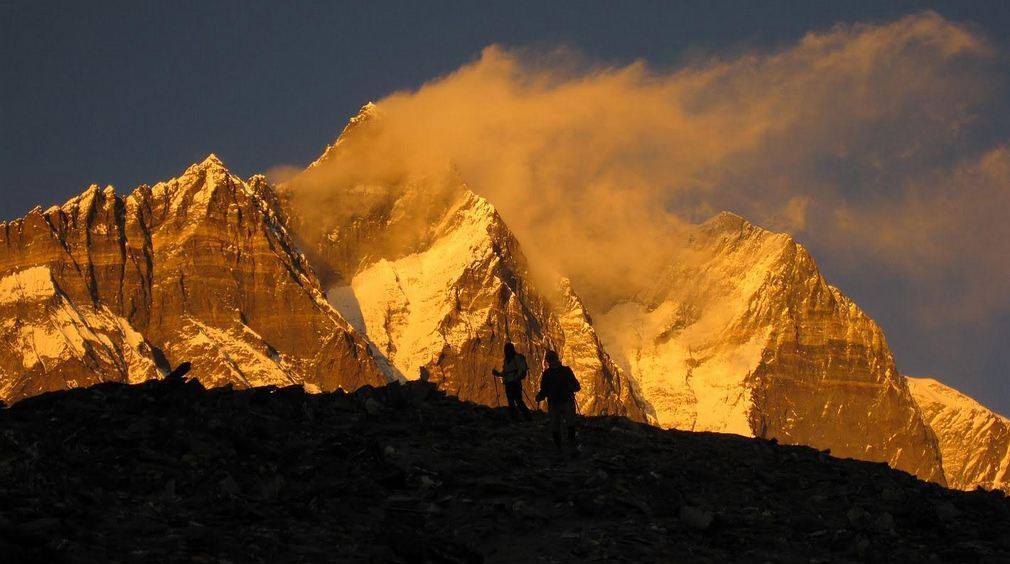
point(198, 268)
point(974, 441)
point(170, 471)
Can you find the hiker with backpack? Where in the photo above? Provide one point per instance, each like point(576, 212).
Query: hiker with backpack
point(558, 385)
point(512, 374)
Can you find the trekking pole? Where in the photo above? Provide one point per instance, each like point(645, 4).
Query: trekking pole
point(497, 398)
point(527, 397)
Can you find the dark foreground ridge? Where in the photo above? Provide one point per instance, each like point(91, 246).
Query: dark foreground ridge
point(169, 471)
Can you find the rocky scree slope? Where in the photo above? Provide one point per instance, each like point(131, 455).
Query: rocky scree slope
point(170, 471)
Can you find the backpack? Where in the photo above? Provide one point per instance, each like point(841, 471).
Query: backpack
point(525, 367)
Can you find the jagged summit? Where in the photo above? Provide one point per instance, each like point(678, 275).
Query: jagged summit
point(743, 334)
point(194, 267)
point(725, 220)
point(368, 113)
point(212, 160)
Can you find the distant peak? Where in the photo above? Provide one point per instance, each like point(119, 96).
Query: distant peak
point(368, 111)
point(212, 160)
point(727, 219)
point(211, 163)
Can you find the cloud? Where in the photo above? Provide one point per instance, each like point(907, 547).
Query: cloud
point(946, 231)
point(861, 140)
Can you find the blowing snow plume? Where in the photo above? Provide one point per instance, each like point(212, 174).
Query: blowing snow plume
point(597, 169)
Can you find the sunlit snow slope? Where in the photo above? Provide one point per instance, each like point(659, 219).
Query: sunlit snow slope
point(742, 334)
point(974, 441)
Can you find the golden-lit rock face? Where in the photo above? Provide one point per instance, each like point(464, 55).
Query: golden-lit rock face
point(429, 273)
point(974, 440)
point(742, 334)
point(201, 267)
point(827, 377)
point(441, 283)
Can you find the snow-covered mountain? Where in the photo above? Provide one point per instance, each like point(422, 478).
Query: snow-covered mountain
point(974, 441)
point(430, 274)
point(414, 274)
point(742, 334)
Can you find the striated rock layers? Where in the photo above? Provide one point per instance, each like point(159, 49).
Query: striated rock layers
point(198, 268)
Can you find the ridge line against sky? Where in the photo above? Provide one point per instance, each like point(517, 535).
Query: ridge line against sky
point(893, 170)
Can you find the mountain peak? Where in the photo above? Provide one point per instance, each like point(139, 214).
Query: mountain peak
point(367, 112)
point(212, 161)
point(725, 221)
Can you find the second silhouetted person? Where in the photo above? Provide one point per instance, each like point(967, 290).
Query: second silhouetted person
point(558, 385)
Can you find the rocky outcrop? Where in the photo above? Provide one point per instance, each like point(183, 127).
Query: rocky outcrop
point(605, 388)
point(742, 334)
point(974, 441)
point(203, 269)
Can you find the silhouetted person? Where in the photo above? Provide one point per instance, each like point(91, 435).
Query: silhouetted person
point(512, 374)
point(558, 385)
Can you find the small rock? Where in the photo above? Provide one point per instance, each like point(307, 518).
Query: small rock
point(373, 407)
point(885, 522)
point(695, 517)
point(857, 516)
point(946, 511)
point(230, 486)
point(890, 494)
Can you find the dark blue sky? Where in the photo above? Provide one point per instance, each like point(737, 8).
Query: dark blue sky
point(128, 92)
point(124, 93)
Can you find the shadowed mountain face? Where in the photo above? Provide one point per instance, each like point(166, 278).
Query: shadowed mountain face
point(418, 274)
point(166, 471)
